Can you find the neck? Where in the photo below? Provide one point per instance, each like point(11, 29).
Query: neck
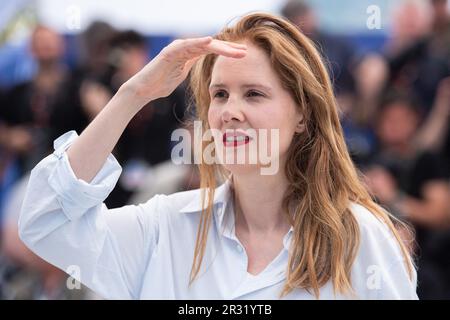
point(441, 23)
point(49, 66)
point(403, 149)
point(49, 76)
point(258, 202)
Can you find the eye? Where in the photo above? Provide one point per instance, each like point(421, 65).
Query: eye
point(220, 94)
point(254, 94)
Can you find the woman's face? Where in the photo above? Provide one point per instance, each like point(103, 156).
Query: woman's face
point(398, 124)
point(253, 114)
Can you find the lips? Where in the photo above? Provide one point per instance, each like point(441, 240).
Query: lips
point(234, 139)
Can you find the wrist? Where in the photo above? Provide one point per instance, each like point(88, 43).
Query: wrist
point(129, 93)
point(442, 108)
point(396, 204)
point(123, 104)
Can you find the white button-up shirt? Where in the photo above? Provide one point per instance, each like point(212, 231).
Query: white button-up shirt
point(146, 251)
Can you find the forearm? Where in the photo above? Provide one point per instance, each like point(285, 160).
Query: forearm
point(90, 151)
point(433, 131)
point(425, 213)
point(431, 135)
point(428, 212)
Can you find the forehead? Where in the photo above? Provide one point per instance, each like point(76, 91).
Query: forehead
point(255, 66)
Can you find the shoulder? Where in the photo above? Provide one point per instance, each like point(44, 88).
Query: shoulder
point(191, 201)
point(174, 218)
point(380, 269)
point(377, 239)
point(183, 209)
point(370, 225)
point(184, 201)
point(175, 210)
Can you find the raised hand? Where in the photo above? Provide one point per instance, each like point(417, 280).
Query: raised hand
point(171, 66)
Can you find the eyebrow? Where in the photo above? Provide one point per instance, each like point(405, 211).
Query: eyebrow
point(247, 85)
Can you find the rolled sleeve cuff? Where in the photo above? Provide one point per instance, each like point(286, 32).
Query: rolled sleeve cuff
point(76, 196)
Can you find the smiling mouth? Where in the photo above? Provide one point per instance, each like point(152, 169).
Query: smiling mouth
point(234, 140)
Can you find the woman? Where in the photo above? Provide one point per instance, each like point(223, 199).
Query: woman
point(310, 230)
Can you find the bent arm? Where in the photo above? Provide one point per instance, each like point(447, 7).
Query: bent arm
point(64, 220)
point(63, 217)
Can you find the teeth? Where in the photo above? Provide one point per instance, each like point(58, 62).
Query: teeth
point(235, 138)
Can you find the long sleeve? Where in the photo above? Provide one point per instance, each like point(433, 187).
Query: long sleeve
point(64, 220)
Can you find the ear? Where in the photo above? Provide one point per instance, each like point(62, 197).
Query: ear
point(300, 127)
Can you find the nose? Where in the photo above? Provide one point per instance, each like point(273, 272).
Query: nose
point(232, 111)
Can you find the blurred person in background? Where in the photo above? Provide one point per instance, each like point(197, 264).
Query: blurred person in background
point(24, 275)
point(339, 56)
point(26, 108)
point(441, 27)
point(359, 107)
point(415, 58)
point(420, 67)
point(410, 22)
point(26, 132)
point(84, 94)
point(434, 132)
point(413, 183)
point(337, 52)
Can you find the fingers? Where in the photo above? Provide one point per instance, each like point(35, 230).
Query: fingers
point(228, 49)
point(192, 48)
point(198, 41)
point(190, 44)
point(234, 44)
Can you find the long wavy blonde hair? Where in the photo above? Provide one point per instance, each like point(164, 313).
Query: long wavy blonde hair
point(322, 177)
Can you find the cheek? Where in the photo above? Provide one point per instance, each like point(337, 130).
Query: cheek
point(213, 117)
point(287, 133)
point(286, 136)
point(278, 131)
point(285, 123)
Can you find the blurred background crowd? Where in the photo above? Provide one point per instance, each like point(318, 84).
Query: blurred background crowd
point(392, 86)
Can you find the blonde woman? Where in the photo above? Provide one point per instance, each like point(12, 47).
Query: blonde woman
point(309, 230)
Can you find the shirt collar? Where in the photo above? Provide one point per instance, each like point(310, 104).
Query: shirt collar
point(223, 206)
point(222, 195)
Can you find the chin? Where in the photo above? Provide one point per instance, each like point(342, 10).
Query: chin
point(243, 161)
point(242, 169)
